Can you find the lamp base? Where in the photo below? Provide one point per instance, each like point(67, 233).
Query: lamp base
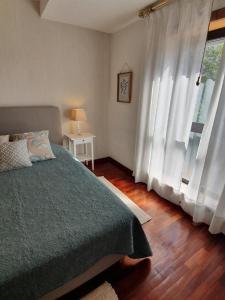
point(78, 128)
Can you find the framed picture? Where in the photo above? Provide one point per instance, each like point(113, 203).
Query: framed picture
point(124, 87)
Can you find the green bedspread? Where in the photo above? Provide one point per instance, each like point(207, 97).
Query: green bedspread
point(56, 220)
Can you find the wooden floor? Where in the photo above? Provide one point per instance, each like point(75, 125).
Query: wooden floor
point(188, 262)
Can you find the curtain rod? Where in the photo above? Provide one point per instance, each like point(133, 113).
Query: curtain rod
point(145, 12)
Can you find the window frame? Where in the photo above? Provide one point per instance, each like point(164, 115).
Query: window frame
point(217, 33)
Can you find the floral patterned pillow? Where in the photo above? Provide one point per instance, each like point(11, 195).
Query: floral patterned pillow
point(38, 144)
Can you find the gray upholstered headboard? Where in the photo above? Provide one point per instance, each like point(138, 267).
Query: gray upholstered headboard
point(31, 118)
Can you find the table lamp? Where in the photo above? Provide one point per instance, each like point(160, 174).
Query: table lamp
point(78, 115)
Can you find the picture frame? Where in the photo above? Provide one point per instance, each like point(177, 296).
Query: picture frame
point(124, 87)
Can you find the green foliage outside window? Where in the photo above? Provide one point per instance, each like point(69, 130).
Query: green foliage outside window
point(212, 60)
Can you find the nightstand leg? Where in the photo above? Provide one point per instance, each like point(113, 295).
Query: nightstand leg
point(92, 155)
point(70, 146)
point(85, 147)
point(74, 150)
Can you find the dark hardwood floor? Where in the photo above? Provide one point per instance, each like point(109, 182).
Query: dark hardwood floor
point(188, 262)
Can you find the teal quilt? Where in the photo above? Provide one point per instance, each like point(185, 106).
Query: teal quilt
point(56, 220)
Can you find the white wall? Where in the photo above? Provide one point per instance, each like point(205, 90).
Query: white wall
point(126, 46)
point(48, 63)
point(217, 4)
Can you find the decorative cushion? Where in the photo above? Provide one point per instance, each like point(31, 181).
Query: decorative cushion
point(38, 145)
point(4, 139)
point(14, 155)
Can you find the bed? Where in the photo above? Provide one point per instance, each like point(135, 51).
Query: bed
point(59, 225)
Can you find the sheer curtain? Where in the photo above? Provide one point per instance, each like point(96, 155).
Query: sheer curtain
point(175, 45)
point(205, 198)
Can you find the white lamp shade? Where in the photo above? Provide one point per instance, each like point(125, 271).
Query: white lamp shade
point(78, 114)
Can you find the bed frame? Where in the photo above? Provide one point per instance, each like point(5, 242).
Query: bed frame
point(31, 118)
point(35, 118)
point(96, 269)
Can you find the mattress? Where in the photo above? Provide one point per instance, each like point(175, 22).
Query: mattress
point(57, 220)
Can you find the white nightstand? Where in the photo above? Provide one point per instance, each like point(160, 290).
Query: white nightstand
point(84, 138)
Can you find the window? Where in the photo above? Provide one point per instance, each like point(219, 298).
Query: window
point(210, 68)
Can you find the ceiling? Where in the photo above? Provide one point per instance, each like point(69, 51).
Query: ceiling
point(107, 16)
point(217, 4)
point(102, 15)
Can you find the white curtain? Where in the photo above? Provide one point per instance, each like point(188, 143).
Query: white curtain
point(175, 45)
point(205, 198)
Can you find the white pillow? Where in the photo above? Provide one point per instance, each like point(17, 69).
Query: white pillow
point(14, 155)
point(4, 139)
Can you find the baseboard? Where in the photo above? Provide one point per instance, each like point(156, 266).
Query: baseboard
point(114, 162)
point(102, 160)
